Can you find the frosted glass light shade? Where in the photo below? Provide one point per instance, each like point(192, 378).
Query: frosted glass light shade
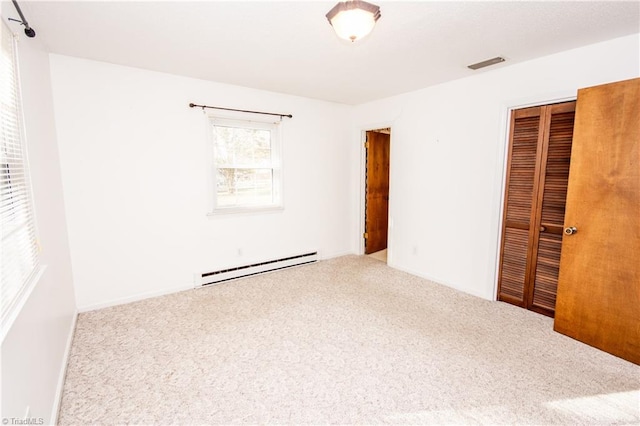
point(353, 20)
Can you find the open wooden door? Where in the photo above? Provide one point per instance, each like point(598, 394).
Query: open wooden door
point(377, 192)
point(598, 300)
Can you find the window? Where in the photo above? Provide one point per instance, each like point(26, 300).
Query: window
point(18, 247)
point(247, 171)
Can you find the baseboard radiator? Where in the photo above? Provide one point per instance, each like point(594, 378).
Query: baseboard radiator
point(215, 277)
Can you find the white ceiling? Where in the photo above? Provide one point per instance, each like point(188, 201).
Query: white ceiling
point(289, 47)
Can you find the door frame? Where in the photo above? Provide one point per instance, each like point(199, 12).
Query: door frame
point(363, 182)
point(502, 162)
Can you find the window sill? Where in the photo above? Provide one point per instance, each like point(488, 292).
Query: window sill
point(18, 305)
point(245, 210)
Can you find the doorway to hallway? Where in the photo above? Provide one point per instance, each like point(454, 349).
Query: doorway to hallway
point(376, 193)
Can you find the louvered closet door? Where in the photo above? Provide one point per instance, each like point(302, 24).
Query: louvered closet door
point(521, 169)
point(537, 177)
point(555, 160)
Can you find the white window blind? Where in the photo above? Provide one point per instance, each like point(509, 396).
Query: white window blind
point(19, 249)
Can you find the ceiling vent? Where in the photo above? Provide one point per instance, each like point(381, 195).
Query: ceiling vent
point(486, 63)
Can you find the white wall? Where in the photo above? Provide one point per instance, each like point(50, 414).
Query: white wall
point(447, 151)
point(134, 167)
point(34, 348)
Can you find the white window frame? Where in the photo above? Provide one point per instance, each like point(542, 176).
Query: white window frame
point(276, 164)
point(20, 268)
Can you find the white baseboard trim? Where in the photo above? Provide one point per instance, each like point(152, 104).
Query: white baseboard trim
point(437, 281)
point(324, 256)
point(133, 298)
point(63, 370)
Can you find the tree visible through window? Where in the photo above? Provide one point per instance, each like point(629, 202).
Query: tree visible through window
point(247, 170)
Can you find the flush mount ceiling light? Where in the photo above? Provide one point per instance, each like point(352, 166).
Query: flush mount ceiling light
point(354, 19)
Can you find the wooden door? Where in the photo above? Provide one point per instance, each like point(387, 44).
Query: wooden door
point(377, 192)
point(599, 285)
point(536, 185)
point(548, 223)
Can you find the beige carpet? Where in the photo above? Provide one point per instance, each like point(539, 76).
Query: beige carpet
point(348, 340)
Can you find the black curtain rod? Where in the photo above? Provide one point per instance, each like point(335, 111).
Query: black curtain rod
point(30, 32)
point(192, 105)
